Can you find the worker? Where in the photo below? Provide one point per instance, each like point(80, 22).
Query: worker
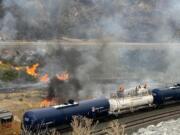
point(120, 92)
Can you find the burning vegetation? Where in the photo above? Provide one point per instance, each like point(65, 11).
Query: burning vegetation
point(63, 76)
point(32, 70)
point(56, 68)
point(13, 73)
point(62, 87)
point(52, 98)
point(48, 103)
point(73, 73)
point(78, 73)
point(44, 78)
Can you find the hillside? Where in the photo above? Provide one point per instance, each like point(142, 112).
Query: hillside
point(122, 20)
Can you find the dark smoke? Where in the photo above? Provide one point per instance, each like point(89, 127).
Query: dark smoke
point(63, 59)
point(97, 70)
point(59, 60)
point(122, 20)
point(63, 90)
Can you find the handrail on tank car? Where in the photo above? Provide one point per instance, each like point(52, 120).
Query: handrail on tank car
point(65, 105)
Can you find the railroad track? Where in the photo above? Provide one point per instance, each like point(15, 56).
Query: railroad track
point(133, 121)
point(145, 120)
point(152, 118)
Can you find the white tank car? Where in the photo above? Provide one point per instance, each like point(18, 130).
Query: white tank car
point(141, 99)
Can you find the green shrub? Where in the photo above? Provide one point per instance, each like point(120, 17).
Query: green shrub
point(21, 99)
point(9, 75)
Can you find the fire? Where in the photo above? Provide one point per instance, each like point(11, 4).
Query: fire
point(63, 76)
point(44, 78)
point(18, 68)
point(48, 103)
point(32, 70)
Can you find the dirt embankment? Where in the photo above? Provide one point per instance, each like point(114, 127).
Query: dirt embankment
point(18, 103)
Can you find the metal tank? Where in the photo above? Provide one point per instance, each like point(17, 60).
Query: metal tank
point(139, 98)
point(62, 114)
point(5, 116)
point(120, 105)
point(166, 95)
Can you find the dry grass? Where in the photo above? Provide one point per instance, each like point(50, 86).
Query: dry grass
point(116, 128)
point(18, 103)
point(41, 132)
point(10, 129)
point(82, 126)
point(85, 126)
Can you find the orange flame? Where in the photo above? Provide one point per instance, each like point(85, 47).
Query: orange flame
point(63, 76)
point(44, 78)
point(47, 103)
point(32, 70)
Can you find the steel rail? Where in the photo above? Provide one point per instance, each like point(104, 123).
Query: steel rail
point(141, 121)
point(131, 121)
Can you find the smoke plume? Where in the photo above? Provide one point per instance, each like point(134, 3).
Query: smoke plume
point(99, 69)
point(123, 20)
